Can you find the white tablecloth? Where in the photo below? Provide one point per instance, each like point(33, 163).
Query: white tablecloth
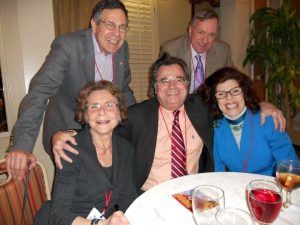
point(157, 206)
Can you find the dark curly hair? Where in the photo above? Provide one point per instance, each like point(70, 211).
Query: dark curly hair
point(95, 86)
point(208, 90)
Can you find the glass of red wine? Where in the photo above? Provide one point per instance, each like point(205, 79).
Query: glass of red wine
point(264, 199)
point(288, 176)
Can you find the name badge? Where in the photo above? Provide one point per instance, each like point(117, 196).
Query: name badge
point(95, 214)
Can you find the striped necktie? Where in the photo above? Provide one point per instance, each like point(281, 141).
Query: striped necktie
point(178, 153)
point(199, 73)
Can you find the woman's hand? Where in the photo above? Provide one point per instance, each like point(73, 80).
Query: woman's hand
point(118, 218)
point(59, 144)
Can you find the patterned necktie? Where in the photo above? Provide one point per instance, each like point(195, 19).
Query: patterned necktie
point(178, 153)
point(199, 73)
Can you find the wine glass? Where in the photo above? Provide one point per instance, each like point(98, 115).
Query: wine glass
point(264, 200)
point(233, 216)
point(206, 201)
point(288, 176)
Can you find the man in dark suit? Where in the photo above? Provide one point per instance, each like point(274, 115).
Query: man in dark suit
point(149, 126)
point(75, 59)
point(200, 40)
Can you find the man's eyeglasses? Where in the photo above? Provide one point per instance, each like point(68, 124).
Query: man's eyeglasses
point(233, 91)
point(112, 26)
point(178, 80)
point(108, 106)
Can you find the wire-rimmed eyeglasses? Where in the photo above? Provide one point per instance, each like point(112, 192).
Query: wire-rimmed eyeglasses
point(233, 91)
point(108, 106)
point(112, 26)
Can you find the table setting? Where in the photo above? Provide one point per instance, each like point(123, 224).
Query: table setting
point(229, 195)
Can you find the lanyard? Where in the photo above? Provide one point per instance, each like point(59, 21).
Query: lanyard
point(245, 163)
point(113, 72)
point(107, 201)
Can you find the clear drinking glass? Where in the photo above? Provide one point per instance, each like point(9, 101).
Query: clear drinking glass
point(288, 176)
point(233, 216)
point(206, 201)
point(264, 199)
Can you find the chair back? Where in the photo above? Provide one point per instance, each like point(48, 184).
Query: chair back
point(12, 192)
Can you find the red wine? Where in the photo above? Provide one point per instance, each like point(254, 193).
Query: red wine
point(265, 204)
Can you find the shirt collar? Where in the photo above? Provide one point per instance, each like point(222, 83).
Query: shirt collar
point(194, 53)
point(181, 109)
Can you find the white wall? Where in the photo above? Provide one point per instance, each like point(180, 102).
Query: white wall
point(173, 18)
point(27, 30)
point(234, 15)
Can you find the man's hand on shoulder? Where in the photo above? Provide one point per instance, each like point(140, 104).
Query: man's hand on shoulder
point(17, 161)
point(267, 109)
point(59, 144)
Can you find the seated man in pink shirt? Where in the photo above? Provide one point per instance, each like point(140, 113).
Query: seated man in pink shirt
point(172, 133)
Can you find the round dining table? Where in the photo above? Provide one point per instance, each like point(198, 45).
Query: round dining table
point(158, 205)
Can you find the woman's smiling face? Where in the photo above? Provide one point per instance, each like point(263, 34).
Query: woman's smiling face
point(233, 104)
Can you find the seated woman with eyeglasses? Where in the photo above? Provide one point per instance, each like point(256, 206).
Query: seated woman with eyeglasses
point(99, 181)
point(241, 143)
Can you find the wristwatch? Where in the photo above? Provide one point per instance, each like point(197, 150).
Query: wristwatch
point(95, 221)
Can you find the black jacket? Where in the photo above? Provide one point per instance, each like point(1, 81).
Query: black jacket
point(142, 127)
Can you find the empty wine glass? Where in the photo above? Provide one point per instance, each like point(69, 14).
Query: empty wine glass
point(288, 176)
point(233, 216)
point(264, 200)
point(206, 201)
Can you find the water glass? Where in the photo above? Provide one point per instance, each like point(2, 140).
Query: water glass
point(233, 216)
point(206, 201)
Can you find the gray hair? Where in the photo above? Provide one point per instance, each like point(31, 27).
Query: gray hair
point(203, 15)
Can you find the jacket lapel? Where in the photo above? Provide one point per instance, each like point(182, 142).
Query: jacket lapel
point(116, 160)
point(210, 62)
point(187, 57)
point(150, 131)
point(246, 136)
point(118, 67)
point(88, 57)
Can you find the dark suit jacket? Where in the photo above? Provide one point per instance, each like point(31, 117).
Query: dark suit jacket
point(82, 185)
point(68, 67)
point(141, 131)
point(217, 57)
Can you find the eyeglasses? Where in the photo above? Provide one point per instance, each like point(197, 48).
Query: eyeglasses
point(233, 92)
point(178, 80)
point(108, 106)
point(112, 26)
